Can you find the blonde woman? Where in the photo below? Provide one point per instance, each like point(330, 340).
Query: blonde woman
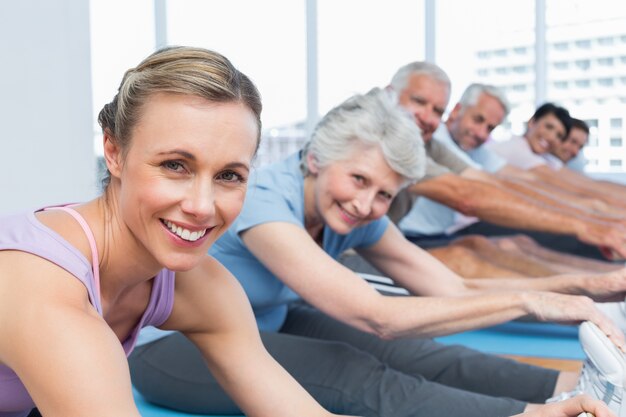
point(77, 283)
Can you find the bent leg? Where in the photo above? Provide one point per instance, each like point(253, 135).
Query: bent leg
point(517, 261)
point(467, 263)
point(561, 243)
point(453, 366)
point(171, 372)
point(565, 262)
point(475, 256)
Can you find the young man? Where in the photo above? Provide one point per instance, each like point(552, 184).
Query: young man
point(546, 131)
point(569, 150)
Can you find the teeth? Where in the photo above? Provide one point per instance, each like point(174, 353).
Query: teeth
point(184, 233)
point(351, 217)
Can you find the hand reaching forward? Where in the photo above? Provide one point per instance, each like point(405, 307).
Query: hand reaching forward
point(608, 286)
point(609, 236)
point(572, 309)
point(572, 407)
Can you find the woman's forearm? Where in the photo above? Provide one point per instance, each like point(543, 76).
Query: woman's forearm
point(437, 316)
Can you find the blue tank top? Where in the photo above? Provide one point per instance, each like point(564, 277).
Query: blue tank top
point(24, 232)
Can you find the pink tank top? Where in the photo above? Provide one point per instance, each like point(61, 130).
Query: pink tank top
point(24, 232)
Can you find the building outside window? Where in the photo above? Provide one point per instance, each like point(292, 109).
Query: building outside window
point(582, 39)
point(616, 123)
point(583, 64)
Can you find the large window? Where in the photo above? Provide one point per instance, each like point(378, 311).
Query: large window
point(596, 29)
point(267, 41)
point(490, 41)
point(264, 39)
point(363, 43)
point(114, 23)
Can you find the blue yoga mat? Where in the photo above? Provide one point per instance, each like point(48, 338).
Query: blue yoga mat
point(147, 409)
point(526, 339)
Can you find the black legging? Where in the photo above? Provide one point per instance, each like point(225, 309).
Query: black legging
point(351, 372)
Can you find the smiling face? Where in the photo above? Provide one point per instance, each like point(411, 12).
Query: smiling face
point(471, 125)
point(545, 134)
point(426, 99)
point(182, 181)
point(350, 193)
point(570, 147)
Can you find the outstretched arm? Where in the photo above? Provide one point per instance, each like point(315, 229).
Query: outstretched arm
point(451, 306)
point(420, 273)
point(501, 206)
point(530, 186)
point(588, 183)
point(489, 202)
point(608, 286)
point(572, 407)
point(611, 193)
point(212, 310)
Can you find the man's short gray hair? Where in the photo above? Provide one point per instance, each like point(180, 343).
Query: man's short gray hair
point(372, 119)
point(473, 91)
point(401, 78)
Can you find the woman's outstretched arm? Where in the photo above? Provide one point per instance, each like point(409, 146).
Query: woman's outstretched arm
point(445, 304)
point(581, 405)
point(212, 310)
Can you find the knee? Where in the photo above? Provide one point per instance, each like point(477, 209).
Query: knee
point(523, 240)
point(515, 242)
point(472, 241)
point(453, 253)
point(446, 254)
point(344, 355)
point(336, 368)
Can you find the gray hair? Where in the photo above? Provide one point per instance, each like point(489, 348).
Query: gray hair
point(372, 119)
point(473, 91)
point(401, 78)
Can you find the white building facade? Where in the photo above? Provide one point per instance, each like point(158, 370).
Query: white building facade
point(586, 73)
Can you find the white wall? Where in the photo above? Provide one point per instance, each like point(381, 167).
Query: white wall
point(46, 127)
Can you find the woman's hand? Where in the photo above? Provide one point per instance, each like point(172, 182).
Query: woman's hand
point(563, 308)
point(572, 407)
point(609, 286)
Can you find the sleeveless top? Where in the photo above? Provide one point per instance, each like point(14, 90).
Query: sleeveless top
point(24, 232)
